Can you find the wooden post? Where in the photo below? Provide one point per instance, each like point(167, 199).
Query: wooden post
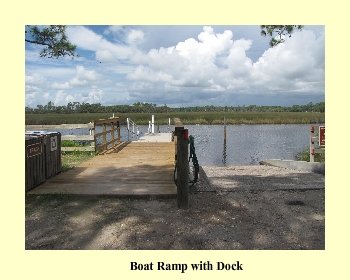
point(104, 136)
point(112, 132)
point(312, 145)
point(224, 155)
point(178, 127)
point(182, 169)
point(224, 129)
point(118, 125)
point(92, 132)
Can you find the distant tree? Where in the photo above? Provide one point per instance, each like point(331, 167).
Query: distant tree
point(278, 32)
point(53, 38)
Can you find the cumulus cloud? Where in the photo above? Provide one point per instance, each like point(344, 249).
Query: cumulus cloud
point(209, 66)
point(134, 36)
point(60, 86)
point(83, 77)
point(86, 39)
point(217, 63)
point(105, 55)
point(35, 79)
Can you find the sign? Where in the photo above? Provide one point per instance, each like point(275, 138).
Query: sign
point(34, 149)
point(322, 135)
point(53, 141)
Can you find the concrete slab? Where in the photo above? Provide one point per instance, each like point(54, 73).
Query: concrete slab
point(316, 167)
point(155, 137)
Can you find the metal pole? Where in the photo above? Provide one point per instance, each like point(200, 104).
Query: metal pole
point(127, 122)
point(152, 123)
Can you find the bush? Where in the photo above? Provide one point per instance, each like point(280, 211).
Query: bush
point(305, 156)
point(69, 143)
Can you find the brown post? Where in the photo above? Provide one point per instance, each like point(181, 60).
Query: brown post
point(312, 145)
point(178, 127)
point(182, 169)
point(118, 125)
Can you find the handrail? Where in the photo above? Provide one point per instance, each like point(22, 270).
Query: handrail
point(131, 122)
point(104, 122)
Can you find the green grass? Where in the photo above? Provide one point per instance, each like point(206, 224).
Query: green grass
point(185, 117)
point(72, 159)
point(305, 156)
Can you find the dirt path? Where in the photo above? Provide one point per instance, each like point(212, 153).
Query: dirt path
point(219, 217)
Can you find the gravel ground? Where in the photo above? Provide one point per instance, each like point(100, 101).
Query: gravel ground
point(231, 208)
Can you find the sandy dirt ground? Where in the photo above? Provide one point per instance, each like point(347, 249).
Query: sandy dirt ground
point(231, 208)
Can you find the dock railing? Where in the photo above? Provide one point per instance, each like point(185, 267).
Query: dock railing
point(113, 123)
point(130, 122)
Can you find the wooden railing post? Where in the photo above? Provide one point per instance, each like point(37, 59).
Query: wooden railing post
point(182, 169)
point(118, 130)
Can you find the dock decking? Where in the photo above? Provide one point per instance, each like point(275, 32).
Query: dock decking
point(133, 168)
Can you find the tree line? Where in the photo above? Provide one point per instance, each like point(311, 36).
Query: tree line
point(142, 107)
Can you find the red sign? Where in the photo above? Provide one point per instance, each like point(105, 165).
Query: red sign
point(322, 135)
point(33, 150)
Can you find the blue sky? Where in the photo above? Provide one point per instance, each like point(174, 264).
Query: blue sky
point(180, 65)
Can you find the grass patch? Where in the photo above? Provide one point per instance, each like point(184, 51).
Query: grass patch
point(72, 159)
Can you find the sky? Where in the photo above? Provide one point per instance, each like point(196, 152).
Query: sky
point(180, 66)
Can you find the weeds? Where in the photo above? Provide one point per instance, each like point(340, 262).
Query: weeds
point(305, 156)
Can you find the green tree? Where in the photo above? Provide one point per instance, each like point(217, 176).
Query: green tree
point(53, 38)
point(278, 32)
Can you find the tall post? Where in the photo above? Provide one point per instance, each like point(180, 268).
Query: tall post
point(224, 155)
point(112, 132)
point(152, 124)
point(224, 129)
point(182, 169)
point(104, 136)
point(312, 145)
point(118, 125)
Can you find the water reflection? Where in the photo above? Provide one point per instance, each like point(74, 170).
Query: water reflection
point(224, 154)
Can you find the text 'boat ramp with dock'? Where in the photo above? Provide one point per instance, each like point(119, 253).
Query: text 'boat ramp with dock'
point(133, 168)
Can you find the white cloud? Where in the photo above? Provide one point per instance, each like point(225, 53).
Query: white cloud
point(60, 86)
point(135, 36)
point(60, 98)
point(84, 77)
point(207, 65)
point(35, 79)
point(113, 29)
point(88, 40)
point(105, 55)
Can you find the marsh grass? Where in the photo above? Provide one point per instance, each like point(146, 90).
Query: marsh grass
point(185, 117)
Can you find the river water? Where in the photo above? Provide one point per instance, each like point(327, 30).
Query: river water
point(245, 144)
point(248, 144)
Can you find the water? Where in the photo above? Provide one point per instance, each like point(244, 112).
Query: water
point(245, 144)
point(248, 144)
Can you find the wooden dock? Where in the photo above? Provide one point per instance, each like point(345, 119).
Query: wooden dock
point(132, 168)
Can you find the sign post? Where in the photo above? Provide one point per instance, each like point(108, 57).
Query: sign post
point(322, 135)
